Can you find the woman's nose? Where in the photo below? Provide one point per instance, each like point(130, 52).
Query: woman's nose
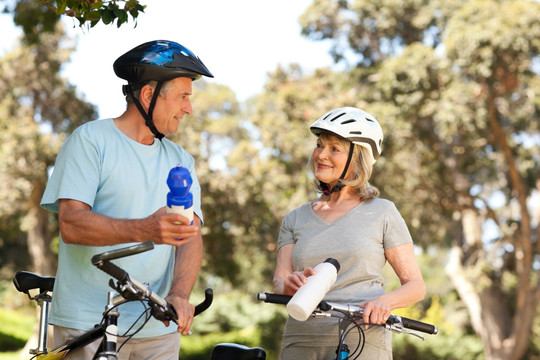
point(323, 153)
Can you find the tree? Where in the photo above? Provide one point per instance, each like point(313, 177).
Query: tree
point(37, 109)
point(38, 17)
point(454, 86)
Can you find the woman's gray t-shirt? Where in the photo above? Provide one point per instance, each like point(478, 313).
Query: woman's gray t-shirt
point(357, 240)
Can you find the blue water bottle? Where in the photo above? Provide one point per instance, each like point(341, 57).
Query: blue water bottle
point(180, 199)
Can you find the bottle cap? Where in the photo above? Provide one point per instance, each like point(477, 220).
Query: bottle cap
point(179, 182)
point(333, 262)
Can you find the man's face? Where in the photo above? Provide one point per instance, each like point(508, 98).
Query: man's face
point(171, 108)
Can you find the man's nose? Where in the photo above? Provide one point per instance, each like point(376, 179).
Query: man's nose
point(187, 107)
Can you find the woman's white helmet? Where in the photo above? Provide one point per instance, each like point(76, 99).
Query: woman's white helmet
point(354, 125)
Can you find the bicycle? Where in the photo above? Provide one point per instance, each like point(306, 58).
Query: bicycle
point(124, 290)
point(349, 316)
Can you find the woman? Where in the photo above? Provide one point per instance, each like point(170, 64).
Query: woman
point(350, 223)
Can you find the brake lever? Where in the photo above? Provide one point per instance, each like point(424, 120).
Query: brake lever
point(163, 314)
point(397, 328)
point(320, 314)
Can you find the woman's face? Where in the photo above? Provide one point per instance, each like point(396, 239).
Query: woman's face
point(329, 159)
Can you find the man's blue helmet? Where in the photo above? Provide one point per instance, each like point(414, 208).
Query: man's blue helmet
point(159, 60)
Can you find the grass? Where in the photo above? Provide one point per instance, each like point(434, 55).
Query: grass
point(12, 356)
point(16, 329)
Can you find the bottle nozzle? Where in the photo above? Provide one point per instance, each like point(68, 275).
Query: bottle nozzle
point(333, 262)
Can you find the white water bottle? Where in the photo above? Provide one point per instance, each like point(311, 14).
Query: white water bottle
point(310, 295)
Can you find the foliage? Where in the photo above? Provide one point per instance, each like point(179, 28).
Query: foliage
point(38, 17)
point(455, 87)
point(37, 108)
point(95, 10)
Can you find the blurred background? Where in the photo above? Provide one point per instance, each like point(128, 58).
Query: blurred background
point(454, 84)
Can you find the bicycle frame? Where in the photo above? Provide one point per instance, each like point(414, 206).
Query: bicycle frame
point(126, 289)
point(108, 331)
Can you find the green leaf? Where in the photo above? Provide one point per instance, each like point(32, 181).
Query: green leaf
point(107, 16)
point(60, 7)
point(97, 5)
point(92, 15)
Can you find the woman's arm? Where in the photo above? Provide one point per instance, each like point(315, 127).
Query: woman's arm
point(286, 280)
point(412, 289)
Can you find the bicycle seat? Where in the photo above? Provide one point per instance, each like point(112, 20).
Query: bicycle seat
point(228, 351)
point(25, 281)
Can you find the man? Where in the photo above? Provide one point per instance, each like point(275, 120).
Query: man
point(109, 189)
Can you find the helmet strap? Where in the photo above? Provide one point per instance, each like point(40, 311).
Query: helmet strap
point(327, 190)
point(148, 117)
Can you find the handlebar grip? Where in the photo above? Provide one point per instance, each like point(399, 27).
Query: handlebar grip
point(208, 298)
point(418, 325)
point(170, 312)
point(112, 270)
point(123, 252)
point(274, 298)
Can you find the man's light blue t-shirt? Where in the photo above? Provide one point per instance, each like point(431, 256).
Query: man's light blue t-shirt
point(120, 178)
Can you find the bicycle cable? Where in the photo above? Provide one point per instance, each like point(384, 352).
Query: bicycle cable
point(147, 312)
point(126, 334)
point(352, 324)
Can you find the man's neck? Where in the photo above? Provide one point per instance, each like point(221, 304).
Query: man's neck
point(132, 124)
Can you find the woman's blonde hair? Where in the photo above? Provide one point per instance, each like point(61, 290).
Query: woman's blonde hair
point(359, 171)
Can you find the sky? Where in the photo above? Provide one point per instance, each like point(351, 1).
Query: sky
point(240, 41)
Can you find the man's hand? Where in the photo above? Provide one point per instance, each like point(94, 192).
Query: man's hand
point(168, 228)
point(185, 312)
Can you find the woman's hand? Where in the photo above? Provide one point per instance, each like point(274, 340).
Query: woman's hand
point(296, 279)
point(376, 311)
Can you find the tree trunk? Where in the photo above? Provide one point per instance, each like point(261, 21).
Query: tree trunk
point(39, 239)
point(504, 337)
point(44, 261)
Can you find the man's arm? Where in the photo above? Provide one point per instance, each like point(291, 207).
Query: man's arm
point(80, 225)
point(186, 270)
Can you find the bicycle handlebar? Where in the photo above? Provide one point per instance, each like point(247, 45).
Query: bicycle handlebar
point(393, 323)
point(392, 320)
point(131, 289)
point(122, 252)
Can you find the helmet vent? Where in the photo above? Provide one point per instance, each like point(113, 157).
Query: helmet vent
point(337, 117)
point(356, 132)
point(348, 121)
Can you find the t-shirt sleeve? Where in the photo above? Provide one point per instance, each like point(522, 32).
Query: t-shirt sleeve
point(75, 174)
point(286, 235)
point(395, 228)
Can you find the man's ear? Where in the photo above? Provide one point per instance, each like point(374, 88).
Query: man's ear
point(145, 96)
